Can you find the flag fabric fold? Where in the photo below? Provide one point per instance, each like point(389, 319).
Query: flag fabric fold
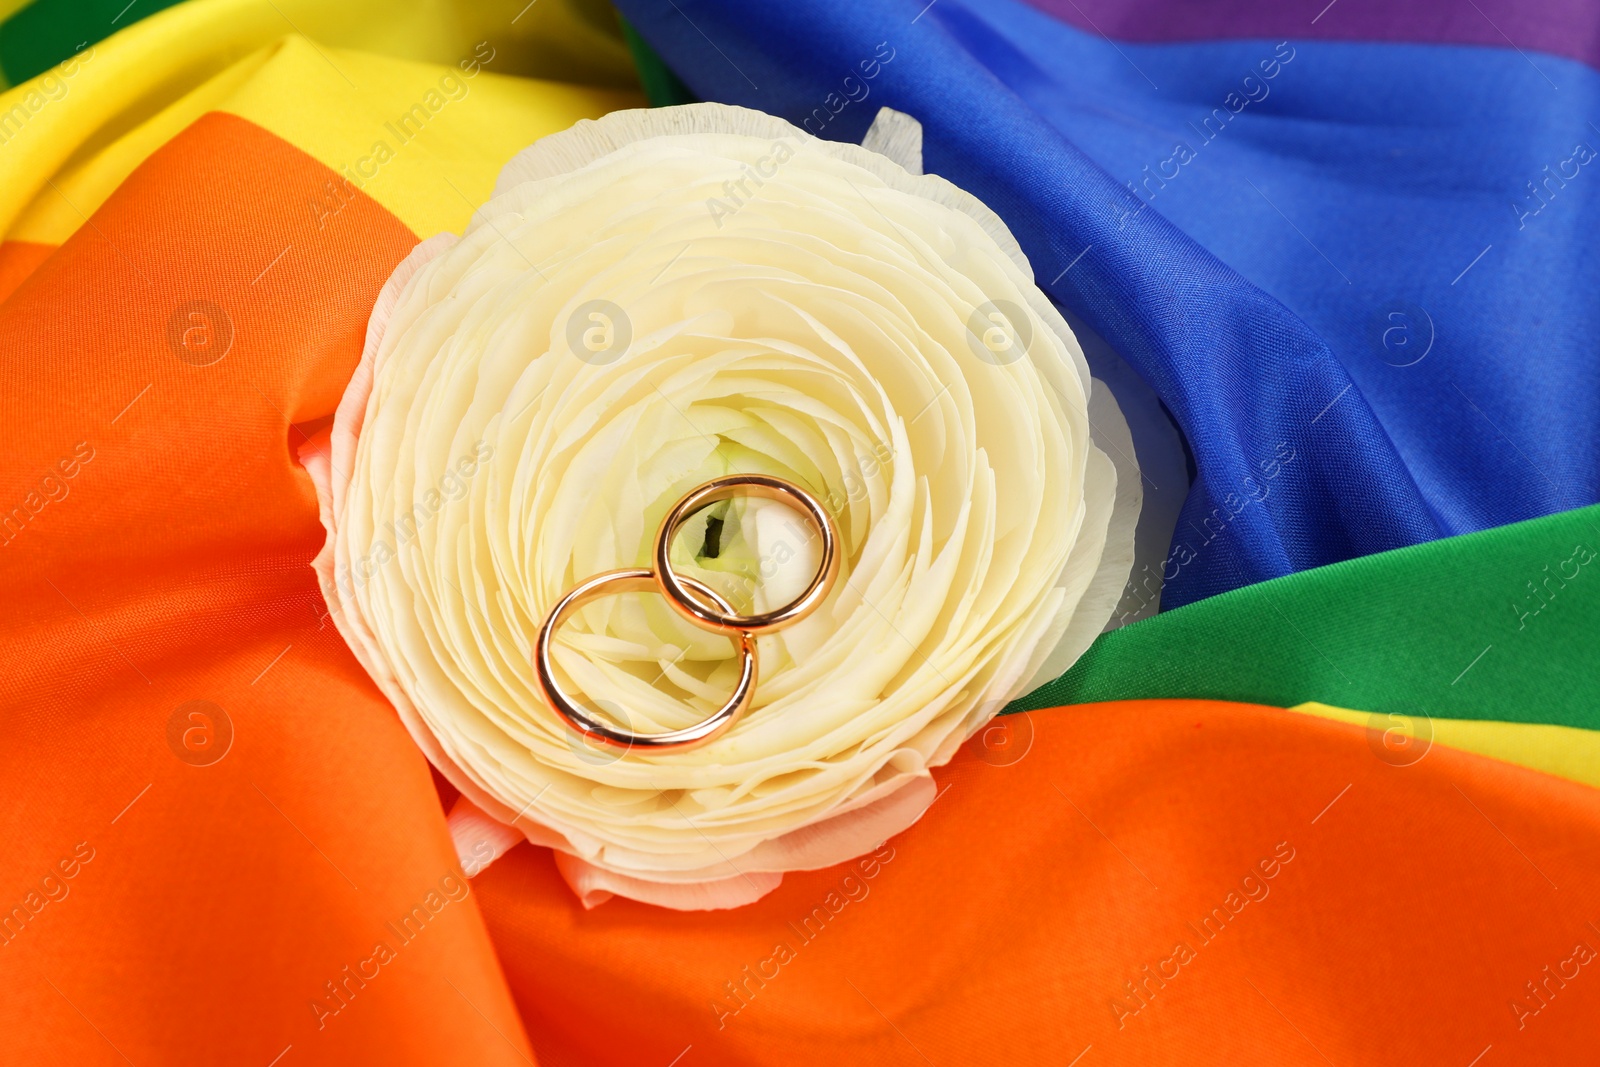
point(1210, 882)
point(1352, 254)
point(1494, 625)
point(220, 844)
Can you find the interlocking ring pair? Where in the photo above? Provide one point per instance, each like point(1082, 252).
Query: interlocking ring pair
point(698, 603)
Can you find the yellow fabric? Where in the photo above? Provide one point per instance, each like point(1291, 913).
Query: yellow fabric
point(1564, 751)
point(121, 99)
point(83, 184)
point(431, 138)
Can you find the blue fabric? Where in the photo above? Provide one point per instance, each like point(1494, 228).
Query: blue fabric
point(1277, 289)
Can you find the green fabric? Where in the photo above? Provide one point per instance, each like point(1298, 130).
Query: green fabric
point(1503, 624)
point(661, 87)
point(39, 36)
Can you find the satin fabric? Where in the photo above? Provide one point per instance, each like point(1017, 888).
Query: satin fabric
point(1563, 751)
point(1054, 931)
point(1364, 341)
point(1501, 624)
point(1569, 28)
point(190, 887)
point(40, 34)
point(572, 39)
point(174, 569)
point(217, 889)
point(74, 134)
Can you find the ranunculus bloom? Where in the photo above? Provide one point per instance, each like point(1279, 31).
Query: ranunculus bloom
point(659, 298)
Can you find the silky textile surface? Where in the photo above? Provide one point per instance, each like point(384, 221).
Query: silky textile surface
point(1564, 751)
point(1351, 254)
point(173, 570)
point(1128, 918)
point(218, 844)
point(571, 39)
point(183, 729)
point(1560, 27)
point(1501, 624)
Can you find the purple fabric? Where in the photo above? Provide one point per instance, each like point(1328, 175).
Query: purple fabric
point(1569, 28)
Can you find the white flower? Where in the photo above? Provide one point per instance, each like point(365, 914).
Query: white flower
point(655, 299)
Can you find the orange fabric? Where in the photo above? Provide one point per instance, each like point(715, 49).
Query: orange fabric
point(1003, 926)
point(17, 261)
point(160, 908)
point(171, 565)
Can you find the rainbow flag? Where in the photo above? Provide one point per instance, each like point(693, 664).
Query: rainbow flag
point(1332, 261)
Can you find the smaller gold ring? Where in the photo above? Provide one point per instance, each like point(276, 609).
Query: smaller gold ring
point(637, 580)
point(711, 612)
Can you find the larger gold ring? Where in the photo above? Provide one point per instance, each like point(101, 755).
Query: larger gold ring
point(637, 580)
point(706, 611)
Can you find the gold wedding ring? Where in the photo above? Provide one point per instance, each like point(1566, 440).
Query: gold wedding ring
point(697, 602)
point(636, 580)
point(702, 611)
